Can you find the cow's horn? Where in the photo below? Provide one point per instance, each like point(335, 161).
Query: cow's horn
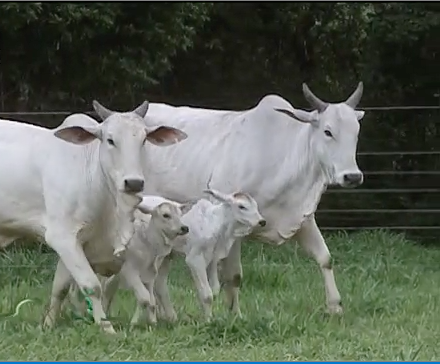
point(355, 97)
point(313, 100)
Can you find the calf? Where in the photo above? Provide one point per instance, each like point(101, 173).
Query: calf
point(150, 244)
point(212, 230)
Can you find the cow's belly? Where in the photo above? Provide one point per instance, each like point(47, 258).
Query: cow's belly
point(99, 254)
point(17, 222)
point(22, 209)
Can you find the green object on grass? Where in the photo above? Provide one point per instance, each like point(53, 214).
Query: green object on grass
point(89, 305)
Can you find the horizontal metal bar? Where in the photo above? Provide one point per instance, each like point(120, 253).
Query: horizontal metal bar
point(332, 228)
point(29, 266)
point(366, 108)
point(400, 173)
point(384, 190)
point(414, 152)
point(44, 113)
point(380, 211)
point(389, 108)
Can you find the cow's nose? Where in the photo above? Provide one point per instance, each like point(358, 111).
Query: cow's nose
point(262, 223)
point(184, 229)
point(134, 185)
point(354, 179)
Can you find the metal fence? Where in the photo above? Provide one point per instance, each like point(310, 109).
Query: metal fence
point(358, 209)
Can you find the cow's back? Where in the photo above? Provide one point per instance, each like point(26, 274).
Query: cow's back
point(234, 146)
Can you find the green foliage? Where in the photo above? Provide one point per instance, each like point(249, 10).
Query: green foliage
point(67, 53)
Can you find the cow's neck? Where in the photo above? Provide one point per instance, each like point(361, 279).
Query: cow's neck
point(113, 210)
point(301, 183)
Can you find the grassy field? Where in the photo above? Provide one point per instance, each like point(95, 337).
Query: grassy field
point(390, 290)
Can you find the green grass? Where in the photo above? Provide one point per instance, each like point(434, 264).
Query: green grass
point(390, 289)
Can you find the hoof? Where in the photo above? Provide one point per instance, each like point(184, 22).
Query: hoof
point(107, 327)
point(335, 310)
point(119, 251)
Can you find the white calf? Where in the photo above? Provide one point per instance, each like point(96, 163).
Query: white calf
point(157, 222)
point(213, 227)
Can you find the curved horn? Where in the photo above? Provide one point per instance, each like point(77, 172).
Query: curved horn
point(209, 181)
point(313, 100)
point(355, 97)
point(142, 109)
point(102, 111)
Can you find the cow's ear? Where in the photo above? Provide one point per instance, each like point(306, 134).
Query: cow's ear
point(309, 117)
point(165, 135)
point(359, 114)
point(79, 134)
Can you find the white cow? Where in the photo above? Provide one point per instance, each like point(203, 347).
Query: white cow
point(284, 157)
point(213, 228)
point(75, 188)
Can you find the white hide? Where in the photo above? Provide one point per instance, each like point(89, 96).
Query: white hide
point(68, 186)
point(283, 157)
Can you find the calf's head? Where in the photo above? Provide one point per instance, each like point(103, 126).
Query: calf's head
point(335, 130)
point(122, 136)
point(166, 215)
point(243, 206)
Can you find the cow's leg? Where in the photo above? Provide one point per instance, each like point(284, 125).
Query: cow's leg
point(144, 298)
point(109, 288)
point(64, 242)
point(213, 277)
point(311, 239)
point(197, 265)
point(60, 288)
point(232, 274)
point(162, 294)
point(72, 298)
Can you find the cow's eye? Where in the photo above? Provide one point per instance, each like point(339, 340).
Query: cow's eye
point(241, 207)
point(328, 133)
point(166, 216)
point(110, 141)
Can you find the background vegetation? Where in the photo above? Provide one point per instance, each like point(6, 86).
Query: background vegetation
point(60, 56)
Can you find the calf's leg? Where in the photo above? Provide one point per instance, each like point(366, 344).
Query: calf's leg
point(310, 238)
point(197, 265)
point(232, 273)
point(161, 292)
point(212, 271)
point(145, 299)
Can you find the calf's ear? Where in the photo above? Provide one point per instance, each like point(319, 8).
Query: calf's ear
point(219, 196)
point(185, 207)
